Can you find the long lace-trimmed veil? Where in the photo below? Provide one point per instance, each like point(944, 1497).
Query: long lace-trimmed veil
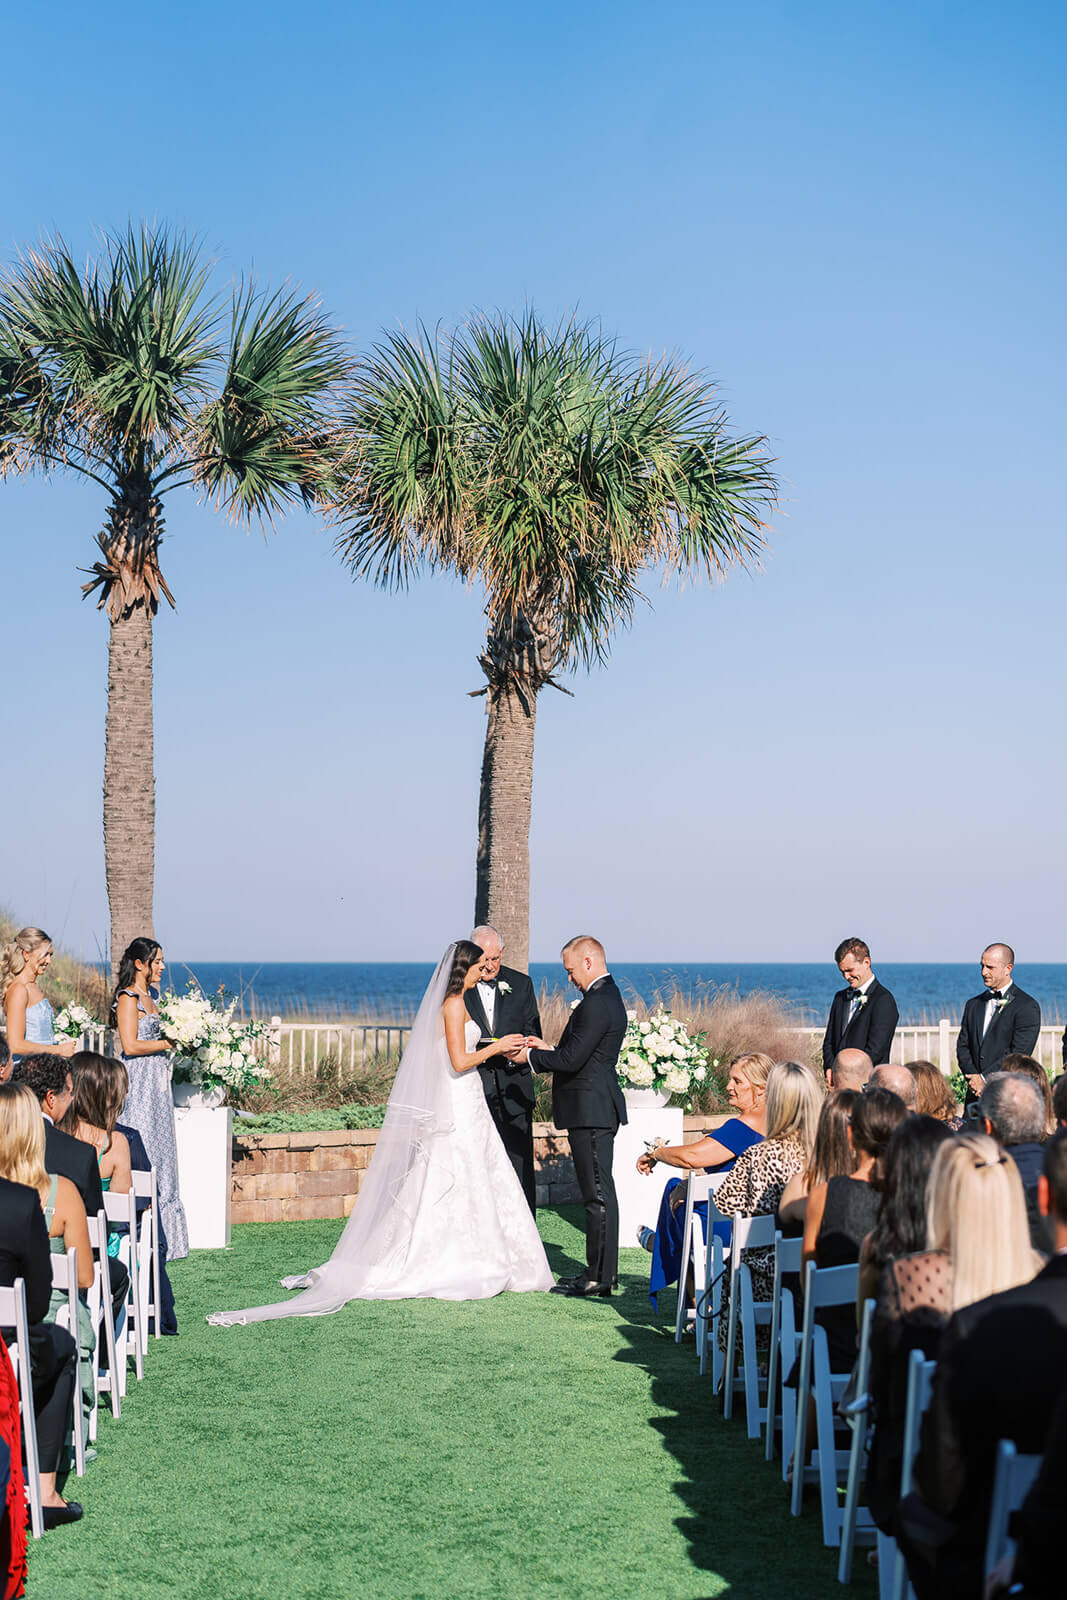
point(379, 1230)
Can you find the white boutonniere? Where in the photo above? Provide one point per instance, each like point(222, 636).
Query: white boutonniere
point(576, 1003)
point(1000, 1002)
point(861, 999)
point(505, 988)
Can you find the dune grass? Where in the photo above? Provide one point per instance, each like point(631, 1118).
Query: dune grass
point(525, 1446)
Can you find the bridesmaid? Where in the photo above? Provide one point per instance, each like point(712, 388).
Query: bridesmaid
point(29, 1015)
point(150, 1105)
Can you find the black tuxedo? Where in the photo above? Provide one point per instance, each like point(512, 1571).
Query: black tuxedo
point(587, 1101)
point(1013, 1030)
point(509, 1085)
point(1002, 1368)
point(74, 1159)
point(871, 1029)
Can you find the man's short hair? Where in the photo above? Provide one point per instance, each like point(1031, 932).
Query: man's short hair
point(1014, 1108)
point(898, 1080)
point(998, 944)
point(1059, 1097)
point(583, 944)
point(851, 947)
point(478, 936)
point(851, 1069)
point(44, 1072)
point(1056, 1172)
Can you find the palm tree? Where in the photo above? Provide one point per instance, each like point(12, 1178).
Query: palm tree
point(553, 470)
point(132, 374)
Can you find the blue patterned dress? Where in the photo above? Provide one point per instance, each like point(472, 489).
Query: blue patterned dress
point(150, 1109)
point(39, 1029)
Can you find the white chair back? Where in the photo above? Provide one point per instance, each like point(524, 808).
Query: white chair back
point(787, 1260)
point(145, 1187)
point(1011, 1484)
point(13, 1315)
point(65, 1278)
point(105, 1383)
point(744, 1312)
point(920, 1386)
point(122, 1208)
point(856, 1519)
point(699, 1187)
point(829, 1286)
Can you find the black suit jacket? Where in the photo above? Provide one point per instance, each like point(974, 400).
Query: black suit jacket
point(76, 1160)
point(1002, 1368)
point(508, 1082)
point(585, 1084)
point(871, 1029)
point(24, 1249)
point(1014, 1028)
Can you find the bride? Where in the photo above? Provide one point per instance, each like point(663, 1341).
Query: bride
point(441, 1213)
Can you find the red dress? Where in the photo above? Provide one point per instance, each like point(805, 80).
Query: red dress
point(13, 1522)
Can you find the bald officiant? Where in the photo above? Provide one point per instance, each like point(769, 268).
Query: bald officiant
point(503, 1002)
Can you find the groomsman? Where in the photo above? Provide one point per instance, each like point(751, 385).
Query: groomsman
point(587, 1101)
point(1000, 1021)
point(505, 1003)
point(864, 1015)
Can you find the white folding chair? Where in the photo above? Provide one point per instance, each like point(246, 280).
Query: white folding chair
point(123, 1208)
point(709, 1303)
point(13, 1315)
point(65, 1278)
point(745, 1312)
point(830, 1286)
point(856, 1520)
point(148, 1267)
point(100, 1307)
point(1011, 1484)
point(788, 1255)
point(694, 1247)
point(920, 1386)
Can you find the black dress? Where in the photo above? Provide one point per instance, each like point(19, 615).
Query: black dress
point(850, 1213)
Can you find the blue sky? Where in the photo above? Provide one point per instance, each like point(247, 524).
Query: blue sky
point(851, 215)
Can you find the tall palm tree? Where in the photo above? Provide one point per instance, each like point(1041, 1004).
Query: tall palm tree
point(553, 470)
point(131, 373)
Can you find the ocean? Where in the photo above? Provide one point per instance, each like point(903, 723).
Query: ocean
point(389, 991)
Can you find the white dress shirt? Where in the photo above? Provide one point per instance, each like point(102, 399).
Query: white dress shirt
point(487, 993)
point(854, 999)
point(991, 1007)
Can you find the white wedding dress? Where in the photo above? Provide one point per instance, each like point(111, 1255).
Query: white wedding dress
point(441, 1213)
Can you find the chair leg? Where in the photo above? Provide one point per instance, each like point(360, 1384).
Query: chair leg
point(731, 1350)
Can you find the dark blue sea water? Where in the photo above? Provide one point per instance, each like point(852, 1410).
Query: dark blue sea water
point(390, 991)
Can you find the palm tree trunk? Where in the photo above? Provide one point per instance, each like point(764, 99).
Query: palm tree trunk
point(129, 781)
point(502, 893)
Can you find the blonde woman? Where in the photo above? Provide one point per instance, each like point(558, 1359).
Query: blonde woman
point(755, 1186)
point(29, 1015)
point(63, 1225)
point(746, 1090)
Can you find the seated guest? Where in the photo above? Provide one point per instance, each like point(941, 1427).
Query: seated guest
point(1001, 1371)
point(100, 1085)
point(1059, 1100)
point(22, 1160)
point(898, 1080)
point(24, 1253)
point(757, 1182)
point(934, 1097)
point(746, 1091)
point(49, 1078)
point(1013, 1113)
point(849, 1069)
point(842, 1212)
point(1027, 1067)
point(832, 1157)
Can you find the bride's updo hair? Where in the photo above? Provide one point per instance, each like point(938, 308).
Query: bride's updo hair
point(463, 960)
point(136, 950)
point(13, 960)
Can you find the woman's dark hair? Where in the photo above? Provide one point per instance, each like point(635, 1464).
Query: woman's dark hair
point(101, 1085)
point(833, 1156)
point(463, 960)
point(901, 1226)
point(875, 1117)
point(136, 950)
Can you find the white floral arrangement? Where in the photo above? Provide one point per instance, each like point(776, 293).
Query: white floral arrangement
point(72, 1022)
point(659, 1053)
point(215, 1048)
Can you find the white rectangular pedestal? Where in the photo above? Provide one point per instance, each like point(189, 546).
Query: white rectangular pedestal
point(205, 1140)
point(639, 1197)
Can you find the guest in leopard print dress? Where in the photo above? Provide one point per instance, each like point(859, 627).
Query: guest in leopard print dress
point(757, 1182)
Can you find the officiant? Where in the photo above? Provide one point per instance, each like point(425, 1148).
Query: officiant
point(503, 1002)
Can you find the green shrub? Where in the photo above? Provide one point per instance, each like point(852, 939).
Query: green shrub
point(330, 1119)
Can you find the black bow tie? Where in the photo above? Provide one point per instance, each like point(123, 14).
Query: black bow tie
point(994, 994)
point(488, 983)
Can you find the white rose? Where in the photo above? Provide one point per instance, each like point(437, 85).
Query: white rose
point(700, 1073)
point(676, 1080)
point(646, 1027)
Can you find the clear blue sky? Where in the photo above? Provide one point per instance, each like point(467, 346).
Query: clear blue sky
point(851, 214)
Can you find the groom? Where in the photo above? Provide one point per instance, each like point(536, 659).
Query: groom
point(504, 1002)
point(588, 1103)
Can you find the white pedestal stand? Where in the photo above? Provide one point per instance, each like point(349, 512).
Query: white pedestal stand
point(639, 1197)
point(205, 1139)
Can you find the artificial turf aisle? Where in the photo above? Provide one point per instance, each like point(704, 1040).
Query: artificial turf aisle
point(528, 1446)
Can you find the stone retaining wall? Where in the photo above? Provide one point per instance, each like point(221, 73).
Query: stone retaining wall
point(296, 1177)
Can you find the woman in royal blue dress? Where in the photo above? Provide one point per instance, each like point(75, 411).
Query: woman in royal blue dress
point(746, 1090)
point(27, 1012)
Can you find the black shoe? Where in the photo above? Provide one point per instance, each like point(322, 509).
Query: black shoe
point(573, 1283)
point(585, 1290)
point(56, 1516)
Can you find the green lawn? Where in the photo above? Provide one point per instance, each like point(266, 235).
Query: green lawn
point(525, 1446)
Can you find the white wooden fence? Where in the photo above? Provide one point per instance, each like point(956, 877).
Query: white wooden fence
point(936, 1042)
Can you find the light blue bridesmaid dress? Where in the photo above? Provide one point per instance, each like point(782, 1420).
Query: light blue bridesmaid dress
point(39, 1030)
point(150, 1109)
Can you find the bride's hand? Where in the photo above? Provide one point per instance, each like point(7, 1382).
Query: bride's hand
point(511, 1044)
